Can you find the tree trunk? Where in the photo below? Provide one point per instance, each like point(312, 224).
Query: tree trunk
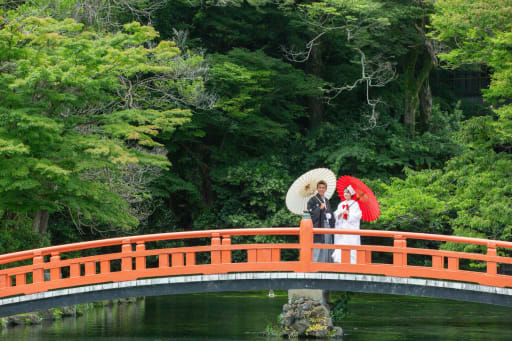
point(40, 222)
point(206, 190)
point(411, 100)
point(417, 69)
point(206, 187)
point(425, 106)
point(315, 104)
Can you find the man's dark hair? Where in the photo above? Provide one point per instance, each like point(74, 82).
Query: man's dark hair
point(321, 182)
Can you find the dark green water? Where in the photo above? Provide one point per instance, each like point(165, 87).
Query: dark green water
point(241, 316)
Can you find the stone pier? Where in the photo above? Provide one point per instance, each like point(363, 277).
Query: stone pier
point(307, 315)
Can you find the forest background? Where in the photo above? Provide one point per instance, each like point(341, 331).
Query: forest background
point(133, 117)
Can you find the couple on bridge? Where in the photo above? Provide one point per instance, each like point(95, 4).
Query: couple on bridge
point(347, 216)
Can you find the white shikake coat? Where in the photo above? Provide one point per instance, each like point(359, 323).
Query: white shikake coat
point(352, 222)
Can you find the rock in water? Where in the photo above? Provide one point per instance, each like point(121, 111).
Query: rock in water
point(306, 317)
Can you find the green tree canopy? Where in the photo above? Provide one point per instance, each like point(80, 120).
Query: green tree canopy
point(471, 195)
point(75, 110)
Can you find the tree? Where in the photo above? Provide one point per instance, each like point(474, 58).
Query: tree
point(257, 117)
point(412, 19)
point(352, 21)
point(479, 32)
point(75, 111)
point(102, 14)
point(471, 195)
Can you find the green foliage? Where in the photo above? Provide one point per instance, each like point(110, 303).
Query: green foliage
point(57, 313)
point(474, 26)
point(64, 119)
point(470, 197)
point(260, 95)
point(384, 150)
point(476, 185)
point(483, 34)
point(240, 143)
point(16, 234)
point(265, 104)
point(339, 310)
point(482, 190)
point(83, 105)
point(414, 204)
point(100, 15)
point(260, 186)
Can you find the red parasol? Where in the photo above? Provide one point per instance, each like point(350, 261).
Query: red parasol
point(364, 196)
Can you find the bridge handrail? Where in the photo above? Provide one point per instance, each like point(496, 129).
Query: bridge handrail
point(416, 235)
point(45, 251)
point(138, 259)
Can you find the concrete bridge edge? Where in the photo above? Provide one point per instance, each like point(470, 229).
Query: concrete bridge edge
point(258, 281)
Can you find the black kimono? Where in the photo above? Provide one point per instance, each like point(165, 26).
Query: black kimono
point(319, 218)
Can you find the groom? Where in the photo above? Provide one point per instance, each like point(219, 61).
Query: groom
point(321, 213)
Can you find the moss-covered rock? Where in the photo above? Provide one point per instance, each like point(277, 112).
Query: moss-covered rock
point(51, 314)
point(82, 308)
point(58, 313)
point(68, 311)
point(24, 319)
point(306, 317)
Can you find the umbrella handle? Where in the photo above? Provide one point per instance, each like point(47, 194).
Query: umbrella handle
point(353, 202)
point(320, 201)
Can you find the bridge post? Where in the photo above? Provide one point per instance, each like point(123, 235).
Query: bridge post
point(437, 262)
point(105, 267)
point(54, 272)
point(140, 261)
point(74, 270)
point(190, 258)
point(491, 252)
point(163, 260)
point(215, 255)
point(226, 255)
point(306, 243)
point(126, 261)
point(453, 263)
point(38, 273)
point(400, 257)
point(90, 268)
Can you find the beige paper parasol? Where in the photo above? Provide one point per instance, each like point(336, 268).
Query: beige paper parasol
point(305, 187)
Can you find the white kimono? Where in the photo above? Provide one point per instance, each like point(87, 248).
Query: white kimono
point(351, 221)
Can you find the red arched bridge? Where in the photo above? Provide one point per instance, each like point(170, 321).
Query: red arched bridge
point(227, 260)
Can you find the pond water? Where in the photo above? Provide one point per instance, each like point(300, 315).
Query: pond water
point(243, 316)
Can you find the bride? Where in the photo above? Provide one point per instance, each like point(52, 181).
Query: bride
point(348, 216)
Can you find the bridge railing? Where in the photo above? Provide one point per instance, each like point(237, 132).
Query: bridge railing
point(126, 258)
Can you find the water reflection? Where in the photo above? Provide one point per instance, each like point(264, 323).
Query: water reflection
point(242, 316)
point(389, 317)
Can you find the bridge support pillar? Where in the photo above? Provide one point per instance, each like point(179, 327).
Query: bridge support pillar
point(307, 315)
point(320, 295)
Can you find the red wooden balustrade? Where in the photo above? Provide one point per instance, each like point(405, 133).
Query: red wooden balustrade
point(54, 267)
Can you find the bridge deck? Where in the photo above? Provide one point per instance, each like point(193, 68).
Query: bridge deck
point(258, 281)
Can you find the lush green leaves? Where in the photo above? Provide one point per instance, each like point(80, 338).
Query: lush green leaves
point(62, 120)
point(90, 121)
point(480, 32)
